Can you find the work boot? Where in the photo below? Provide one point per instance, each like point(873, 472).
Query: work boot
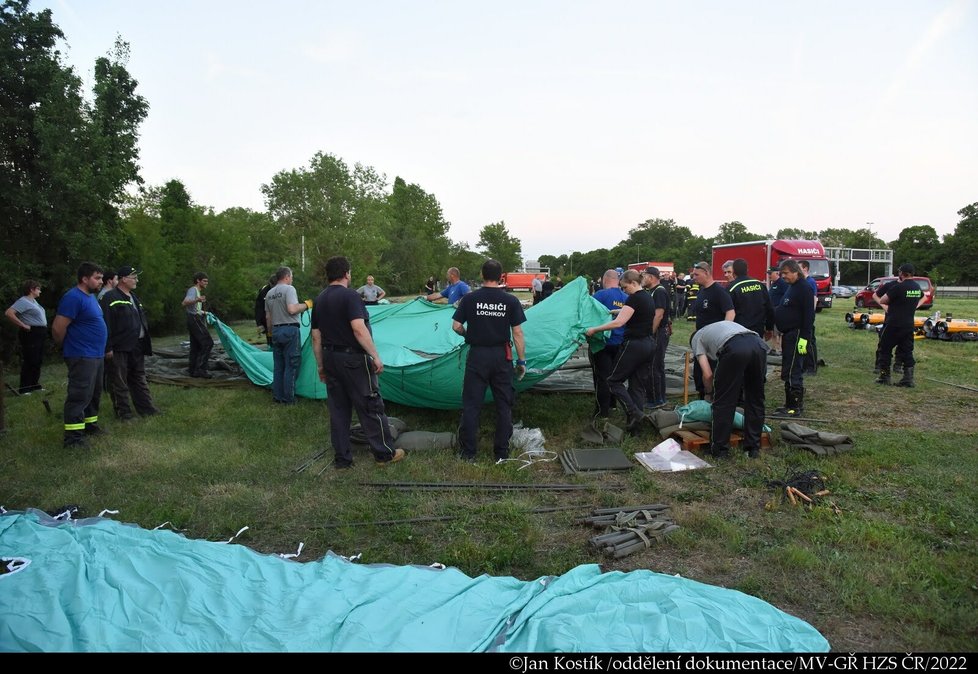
point(399, 454)
point(95, 429)
point(752, 452)
point(634, 424)
point(907, 378)
point(884, 377)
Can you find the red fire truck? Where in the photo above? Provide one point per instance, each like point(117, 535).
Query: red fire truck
point(515, 280)
point(762, 255)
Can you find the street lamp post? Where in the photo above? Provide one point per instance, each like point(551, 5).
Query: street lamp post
point(869, 262)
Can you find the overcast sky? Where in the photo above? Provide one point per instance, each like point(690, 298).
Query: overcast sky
point(571, 121)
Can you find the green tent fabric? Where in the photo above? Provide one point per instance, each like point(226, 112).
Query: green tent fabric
point(424, 359)
point(99, 585)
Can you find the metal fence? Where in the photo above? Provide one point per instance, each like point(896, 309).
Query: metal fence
point(956, 292)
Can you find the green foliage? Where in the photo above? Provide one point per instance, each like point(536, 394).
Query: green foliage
point(335, 211)
point(65, 162)
point(960, 249)
point(736, 232)
point(918, 245)
point(418, 237)
point(497, 243)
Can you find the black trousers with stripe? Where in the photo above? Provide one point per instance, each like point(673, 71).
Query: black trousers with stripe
point(352, 385)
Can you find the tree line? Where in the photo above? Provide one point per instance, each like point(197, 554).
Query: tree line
point(70, 190)
point(947, 261)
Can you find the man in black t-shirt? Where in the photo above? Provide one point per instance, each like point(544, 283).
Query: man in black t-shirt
point(712, 305)
point(486, 318)
point(656, 388)
point(348, 364)
point(751, 302)
point(900, 300)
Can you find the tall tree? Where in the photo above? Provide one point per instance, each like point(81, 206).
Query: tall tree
point(918, 245)
point(418, 237)
point(961, 250)
point(796, 233)
point(736, 232)
point(64, 162)
point(332, 210)
point(496, 242)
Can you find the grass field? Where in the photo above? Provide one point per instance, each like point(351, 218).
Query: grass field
point(897, 570)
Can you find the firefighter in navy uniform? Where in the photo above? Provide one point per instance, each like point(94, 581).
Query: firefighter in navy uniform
point(486, 319)
point(752, 304)
point(901, 300)
point(795, 318)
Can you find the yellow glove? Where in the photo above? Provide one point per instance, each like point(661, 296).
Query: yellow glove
point(802, 347)
point(309, 303)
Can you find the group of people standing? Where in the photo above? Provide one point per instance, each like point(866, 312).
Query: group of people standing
point(102, 329)
point(729, 344)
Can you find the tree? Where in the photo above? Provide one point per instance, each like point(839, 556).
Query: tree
point(497, 243)
point(918, 245)
point(418, 237)
point(735, 232)
point(960, 250)
point(65, 163)
point(796, 233)
point(334, 211)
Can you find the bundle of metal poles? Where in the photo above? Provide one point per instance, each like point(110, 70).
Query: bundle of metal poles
point(632, 528)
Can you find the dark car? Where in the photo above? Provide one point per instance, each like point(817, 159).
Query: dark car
point(843, 291)
point(864, 298)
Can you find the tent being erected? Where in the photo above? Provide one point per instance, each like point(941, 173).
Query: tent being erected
point(99, 585)
point(424, 359)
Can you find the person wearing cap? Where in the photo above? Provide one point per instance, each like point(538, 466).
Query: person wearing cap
point(655, 390)
point(900, 300)
point(491, 321)
point(79, 328)
point(712, 305)
point(201, 341)
point(752, 304)
point(282, 309)
point(127, 346)
point(734, 363)
point(635, 352)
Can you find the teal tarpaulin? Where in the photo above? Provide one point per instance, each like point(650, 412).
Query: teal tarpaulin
point(424, 359)
point(98, 585)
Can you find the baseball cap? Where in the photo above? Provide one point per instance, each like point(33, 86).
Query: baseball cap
point(127, 271)
point(653, 271)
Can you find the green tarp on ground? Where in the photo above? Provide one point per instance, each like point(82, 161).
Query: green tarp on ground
point(98, 585)
point(424, 360)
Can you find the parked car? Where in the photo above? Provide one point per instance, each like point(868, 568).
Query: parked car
point(864, 298)
point(843, 291)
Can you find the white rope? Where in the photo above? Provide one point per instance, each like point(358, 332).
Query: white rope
point(14, 564)
point(108, 512)
point(293, 555)
point(240, 531)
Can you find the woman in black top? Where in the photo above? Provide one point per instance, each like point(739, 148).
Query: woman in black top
point(635, 353)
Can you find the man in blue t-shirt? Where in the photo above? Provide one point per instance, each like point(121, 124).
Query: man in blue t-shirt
point(603, 361)
point(455, 289)
point(490, 320)
point(80, 330)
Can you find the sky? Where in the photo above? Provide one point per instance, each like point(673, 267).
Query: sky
point(570, 121)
